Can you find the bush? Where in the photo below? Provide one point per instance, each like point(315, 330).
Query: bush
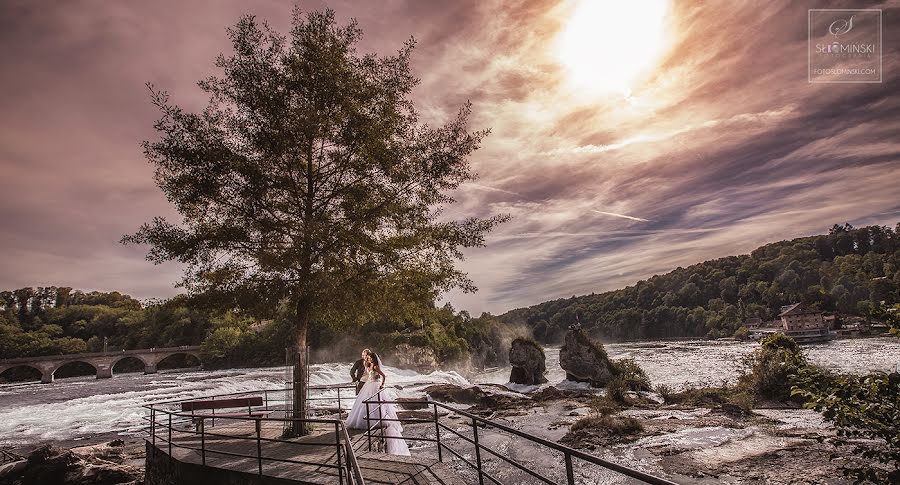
point(616, 425)
point(701, 396)
point(616, 389)
point(865, 410)
point(665, 392)
point(632, 376)
point(604, 405)
point(769, 370)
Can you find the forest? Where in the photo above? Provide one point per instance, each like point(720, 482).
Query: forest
point(59, 320)
point(847, 272)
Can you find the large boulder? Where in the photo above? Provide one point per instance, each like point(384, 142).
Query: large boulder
point(585, 360)
point(528, 362)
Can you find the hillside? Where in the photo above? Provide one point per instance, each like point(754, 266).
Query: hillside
point(848, 271)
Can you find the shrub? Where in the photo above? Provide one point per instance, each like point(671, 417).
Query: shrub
point(665, 392)
point(616, 425)
point(604, 405)
point(616, 389)
point(769, 369)
point(632, 376)
point(701, 396)
point(865, 411)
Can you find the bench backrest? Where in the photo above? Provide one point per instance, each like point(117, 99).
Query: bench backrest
point(237, 402)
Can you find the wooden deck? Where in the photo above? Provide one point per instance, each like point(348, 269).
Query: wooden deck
point(237, 453)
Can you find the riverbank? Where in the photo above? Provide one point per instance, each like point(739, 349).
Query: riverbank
point(72, 413)
point(690, 444)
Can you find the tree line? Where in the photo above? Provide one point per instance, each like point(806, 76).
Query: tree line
point(59, 320)
point(849, 271)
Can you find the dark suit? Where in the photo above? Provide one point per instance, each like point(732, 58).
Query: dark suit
point(356, 372)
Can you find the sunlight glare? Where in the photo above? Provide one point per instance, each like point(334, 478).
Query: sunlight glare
point(606, 45)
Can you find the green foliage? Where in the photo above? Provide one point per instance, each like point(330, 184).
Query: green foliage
point(616, 390)
point(865, 411)
point(631, 375)
point(701, 396)
point(604, 405)
point(309, 180)
point(848, 270)
point(665, 391)
point(614, 425)
point(769, 369)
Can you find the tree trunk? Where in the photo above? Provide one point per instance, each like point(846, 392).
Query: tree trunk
point(299, 428)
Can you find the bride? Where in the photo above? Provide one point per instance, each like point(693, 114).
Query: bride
point(373, 390)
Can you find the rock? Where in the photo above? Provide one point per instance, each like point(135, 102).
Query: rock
point(528, 362)
point(412, 357)
point(584, 360)
point(48, 464)
point(411, 403)
point(552, 393)
point(475, 396)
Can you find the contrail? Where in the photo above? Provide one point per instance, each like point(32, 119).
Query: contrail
point(620, 215)
point(494, 189)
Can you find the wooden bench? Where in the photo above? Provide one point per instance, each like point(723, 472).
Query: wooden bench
point(236, 402)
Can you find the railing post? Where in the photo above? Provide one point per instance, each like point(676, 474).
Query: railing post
point(368, 426)
point(339, 402)
point(570, 473)
point(169, 440)
point(381, 423)
point(259, 445)
point(337, 442)
point(202, 443)
point(153, 426)
point(477, 451)
point(266, 398)
point(437, 430)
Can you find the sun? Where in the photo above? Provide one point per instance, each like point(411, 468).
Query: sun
point(606, 45)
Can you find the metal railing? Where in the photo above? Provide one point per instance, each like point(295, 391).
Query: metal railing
point(475, 422)
point(167, 425)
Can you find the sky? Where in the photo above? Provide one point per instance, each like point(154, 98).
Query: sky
point(627, 138)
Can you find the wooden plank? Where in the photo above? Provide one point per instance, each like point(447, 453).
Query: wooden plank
point(237, 402)
point(319, 449)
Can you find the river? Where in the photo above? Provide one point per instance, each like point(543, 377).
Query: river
point(83, 407)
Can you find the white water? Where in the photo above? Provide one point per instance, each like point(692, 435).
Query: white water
point(78, 408)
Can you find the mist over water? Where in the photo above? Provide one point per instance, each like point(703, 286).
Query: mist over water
point(71, 409)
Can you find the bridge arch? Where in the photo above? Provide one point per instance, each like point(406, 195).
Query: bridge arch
point(114, 363)
point(185, 357)
point(62, 364)
point(38, 372)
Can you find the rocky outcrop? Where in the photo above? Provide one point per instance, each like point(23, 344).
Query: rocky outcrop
point(528, 362)
point(585, 360)
point(49, 464)
point(474, 395)
point(411, 357)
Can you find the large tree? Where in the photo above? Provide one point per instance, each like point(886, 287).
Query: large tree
point(310, 180)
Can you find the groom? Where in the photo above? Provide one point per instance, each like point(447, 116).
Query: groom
point(358, 371)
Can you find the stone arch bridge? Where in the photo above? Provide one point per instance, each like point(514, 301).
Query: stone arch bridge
point(103, 362)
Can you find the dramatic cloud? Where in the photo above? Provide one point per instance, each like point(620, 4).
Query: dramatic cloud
point(720, 146)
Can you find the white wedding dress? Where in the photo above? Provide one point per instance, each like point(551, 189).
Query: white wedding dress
point(356, 418)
